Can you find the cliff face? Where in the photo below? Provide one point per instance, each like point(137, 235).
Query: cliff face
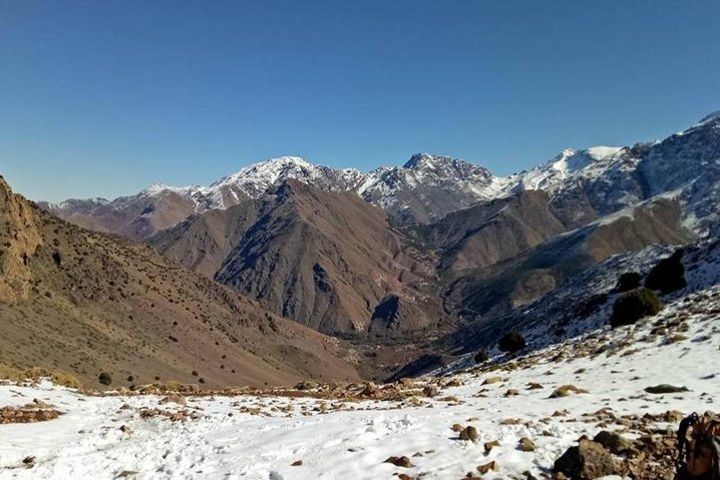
point(19, 239)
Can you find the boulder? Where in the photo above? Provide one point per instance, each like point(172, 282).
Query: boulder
point(587, 461)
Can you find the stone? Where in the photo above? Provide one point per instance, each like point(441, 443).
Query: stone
point(664, 388)
point(469, 433)
point(400, 461)
point(526, 445)
point(587, 461)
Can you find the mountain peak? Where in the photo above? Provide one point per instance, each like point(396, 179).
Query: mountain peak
point(710, 118)
point(427, 160)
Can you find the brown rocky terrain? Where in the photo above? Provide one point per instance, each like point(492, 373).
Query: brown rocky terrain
point(136, 217)
point(327, 260)
point(535, 271)
point(86, 303)
point(491, 232)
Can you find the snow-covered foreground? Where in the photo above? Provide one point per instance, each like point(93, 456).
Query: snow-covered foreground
point(352, 440)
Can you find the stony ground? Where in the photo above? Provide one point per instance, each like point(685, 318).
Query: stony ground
point(613, 399)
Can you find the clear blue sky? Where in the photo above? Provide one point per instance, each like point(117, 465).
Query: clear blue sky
point(101, 98)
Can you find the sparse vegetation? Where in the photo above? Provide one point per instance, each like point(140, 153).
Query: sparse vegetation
point(633, 306)
point(105, 378)
point(481, 356)
point(668, 275)
point(512, 342)
point(35, 374)
point(628, 281)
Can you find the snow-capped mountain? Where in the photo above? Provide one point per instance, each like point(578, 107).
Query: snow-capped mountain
point(253, 181)
point(429, 187)
point(161, 206)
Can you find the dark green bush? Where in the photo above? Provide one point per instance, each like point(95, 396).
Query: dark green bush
point(105, 378)
point(668, 275)
point(481, 357)
point(628, 281)
point(512, 342)
point(633, 306)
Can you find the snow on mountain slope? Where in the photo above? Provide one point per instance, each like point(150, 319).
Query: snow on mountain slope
point(271, 437)
point(586, 164)
point(256, 179)
point(429, 187)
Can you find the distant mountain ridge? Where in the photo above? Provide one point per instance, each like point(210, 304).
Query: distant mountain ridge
point(428, 187)
point(582, 185)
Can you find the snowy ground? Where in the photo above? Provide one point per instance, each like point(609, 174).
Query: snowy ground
point(352, 440)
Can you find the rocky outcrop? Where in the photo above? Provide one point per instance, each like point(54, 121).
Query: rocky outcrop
point(19, 238)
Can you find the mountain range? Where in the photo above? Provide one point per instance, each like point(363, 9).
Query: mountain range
point(391, 262)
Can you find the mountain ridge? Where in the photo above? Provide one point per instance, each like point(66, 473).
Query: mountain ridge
point(423, 190)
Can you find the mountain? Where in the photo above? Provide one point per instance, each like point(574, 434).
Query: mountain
point(490, 232)
point(86, 303)
point(428, 187)
point(326, 259)
point(491, 291)
point(162, 206)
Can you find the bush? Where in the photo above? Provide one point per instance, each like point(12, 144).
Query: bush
point(633, 306)
point(628, 281)
point(668, 275)
point(481, 357)
point(512, 342)
point(105, 378)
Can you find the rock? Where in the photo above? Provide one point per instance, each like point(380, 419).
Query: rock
point(126, 473)
point(307, 385)
point(664, 388)
point(404, 476)
point(613, 442)
point(490, 445)
point(469, 433)
point(431, 391)
point(526, 445)
point(534, 386)
point(491, 380)
point(400, 462)
point(512, 393)
point(29, 462)
point(296, 463)
point(512, 421)
point(483, 469)
point(455, 382)
point(371, 390)
point(457, 428)
point(180, 400)
point(566, 390)
point(587, 461)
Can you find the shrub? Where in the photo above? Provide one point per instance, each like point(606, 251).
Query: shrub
point(628, 281)
point(105, 378)
point(512, 342)
point(633, 306)
point(481, 356)
point(668, 275)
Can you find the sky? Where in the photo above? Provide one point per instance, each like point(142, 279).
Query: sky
point(102, 98)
